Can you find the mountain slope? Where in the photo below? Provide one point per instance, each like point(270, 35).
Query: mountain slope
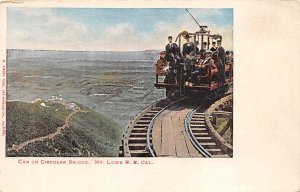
point(46, 128)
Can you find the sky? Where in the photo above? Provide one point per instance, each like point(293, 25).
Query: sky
point(105, 29)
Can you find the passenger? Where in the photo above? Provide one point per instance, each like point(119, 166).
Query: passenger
point(193, 64)
point(214, 47)
point(228, 64)
point(208, 61)
point(187, 50)
point(205, 46)
point(178, 59)
point(196, 72)
point(162, 67)
point(221, 51)
point(205, 64)
point(228, 58)
point(231, 55)
point(196, 49)
point(188, 47)
point(203, 49)
point(220, 67)
point(198, 58)
point(191, 72)
point(172, 49)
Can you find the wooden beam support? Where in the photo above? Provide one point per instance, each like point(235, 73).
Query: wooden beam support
point(226, 127)
point(222, 114)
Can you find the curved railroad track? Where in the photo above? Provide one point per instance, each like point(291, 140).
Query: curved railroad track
point(137, 140)
point(196, 127)
point(202, 132)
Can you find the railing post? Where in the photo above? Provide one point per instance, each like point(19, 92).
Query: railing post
point(209, 76)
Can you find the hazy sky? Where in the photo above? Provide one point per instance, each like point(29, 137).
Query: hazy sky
point(109, 29)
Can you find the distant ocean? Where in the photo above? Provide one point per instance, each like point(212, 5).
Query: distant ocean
point(116, 84)
point(150, 55)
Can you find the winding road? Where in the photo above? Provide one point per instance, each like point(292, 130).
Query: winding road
point(49, 136)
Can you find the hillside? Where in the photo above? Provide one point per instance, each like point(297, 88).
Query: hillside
point(58, 128)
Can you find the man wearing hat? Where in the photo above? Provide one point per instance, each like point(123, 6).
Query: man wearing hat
point(231, 55)
point(162, 66)
point(208, 61)
point(228, 63)
point(196, 68)
point(171, 49)
point(196, 49)
point(203, 48)
point(191, 72)
point(188, 47)
point(187, 50)
point(198, 58)
point(220, 66)
point(214, 47)
point(221, 51)
point(228, 58)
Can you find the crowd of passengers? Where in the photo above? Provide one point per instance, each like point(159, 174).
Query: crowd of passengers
point(196, 61)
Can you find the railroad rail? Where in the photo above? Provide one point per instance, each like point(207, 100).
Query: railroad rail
point(202, 132)
point(198, 125)
point(137, 140)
